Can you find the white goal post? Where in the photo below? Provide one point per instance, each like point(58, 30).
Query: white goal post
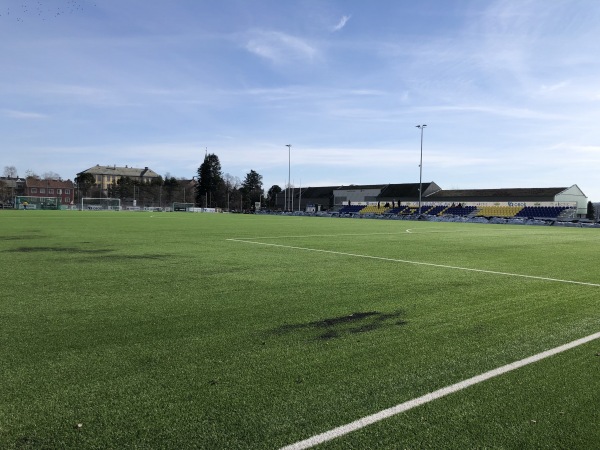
point(179, 206)
point(100, 204)
point(28, 202)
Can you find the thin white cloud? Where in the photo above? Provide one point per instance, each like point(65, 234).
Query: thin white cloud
point(341, 24)
point(23, 115)
point(280, 47)
point(554, 87)
point(494, 110)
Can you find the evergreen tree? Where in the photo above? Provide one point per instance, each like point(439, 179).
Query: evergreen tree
point(210, 179)
point(85, 181)
point(252, 188)
point(272, 195)
point(591, 211)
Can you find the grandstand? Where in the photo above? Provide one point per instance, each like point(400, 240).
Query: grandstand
point(402, 199)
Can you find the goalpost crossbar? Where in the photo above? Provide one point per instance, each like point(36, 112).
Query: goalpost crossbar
point(100, 204)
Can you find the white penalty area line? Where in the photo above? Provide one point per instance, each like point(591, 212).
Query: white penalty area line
point(403, 407)
point(417, 263)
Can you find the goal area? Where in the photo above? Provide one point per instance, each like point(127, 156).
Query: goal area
point(100, 204)
point(177, 206)
point(28, 202)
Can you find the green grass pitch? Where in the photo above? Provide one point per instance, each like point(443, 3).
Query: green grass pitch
point(178, 330)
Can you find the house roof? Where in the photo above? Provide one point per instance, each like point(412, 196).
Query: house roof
point(131, 172)
point(52, 184)
point(12, 182)
point(483, 195)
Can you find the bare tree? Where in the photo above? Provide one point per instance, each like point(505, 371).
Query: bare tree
point(231, 184)
point(50, 176)
point(31, 174)
point(10, 172)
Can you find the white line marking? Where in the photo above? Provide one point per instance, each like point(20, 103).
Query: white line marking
point(419, 263)
point(320, 235)
point(402, 407)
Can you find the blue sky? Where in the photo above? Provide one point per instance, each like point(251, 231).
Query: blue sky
point(509, 90)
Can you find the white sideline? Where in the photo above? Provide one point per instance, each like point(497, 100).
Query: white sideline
point(418, 263)
point(402, 407)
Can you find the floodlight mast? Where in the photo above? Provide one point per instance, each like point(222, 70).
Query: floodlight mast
point(421, 127)
point(289, 197)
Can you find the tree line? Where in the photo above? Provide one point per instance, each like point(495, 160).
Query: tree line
point(215, 189)
point(209, 188)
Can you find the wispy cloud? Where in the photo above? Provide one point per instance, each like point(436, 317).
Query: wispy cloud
point(341, 24)
point(23, 115)
point(280, 47)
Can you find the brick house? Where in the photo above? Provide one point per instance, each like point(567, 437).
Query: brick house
point(63, 190)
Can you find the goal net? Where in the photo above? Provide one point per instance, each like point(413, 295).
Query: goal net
point(177, 206)
point(28, 202)
point(100, 204)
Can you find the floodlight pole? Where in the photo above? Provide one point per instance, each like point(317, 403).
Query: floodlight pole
point(289, 146)
point(422, 127)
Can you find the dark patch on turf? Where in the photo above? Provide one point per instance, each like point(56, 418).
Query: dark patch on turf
point(82, 251)
point(334, 327)
point(17, 238)
point(29, 442)
point(135, 257)
point(56, 250)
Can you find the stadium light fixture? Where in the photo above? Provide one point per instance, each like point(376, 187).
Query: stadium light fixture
point(421, 127)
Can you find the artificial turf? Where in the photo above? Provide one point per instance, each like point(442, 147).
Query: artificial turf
point(180, 330)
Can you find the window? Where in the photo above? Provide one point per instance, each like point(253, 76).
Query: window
point(42, 190)
point(67, 191)
point(50, 191)
point(59, 191)
point(34, 190)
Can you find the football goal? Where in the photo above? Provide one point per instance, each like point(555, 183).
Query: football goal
point(100, 204)
point(177, 206)
point(28, 202)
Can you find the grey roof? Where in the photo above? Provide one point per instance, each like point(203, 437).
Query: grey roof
point(359, 187)
point(131, 172)
point(12, 182)
point(319, 192)
point(500, 195)
point(407, 191)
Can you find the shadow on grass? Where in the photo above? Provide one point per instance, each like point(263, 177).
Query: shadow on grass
point(334, 327)
point(106, 253)
point(21, 237)
point(55, 250)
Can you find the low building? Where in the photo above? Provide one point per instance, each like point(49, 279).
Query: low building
point(62, 190)
point(9, 189)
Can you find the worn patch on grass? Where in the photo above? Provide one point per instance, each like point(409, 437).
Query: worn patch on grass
point(106, 253)
point(20, 237)
point(29, 442)
point(136, 257)
point(357, 322)
point(56, 250)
